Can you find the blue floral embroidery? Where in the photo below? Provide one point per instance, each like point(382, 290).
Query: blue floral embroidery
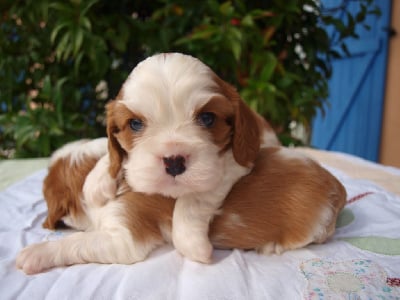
point(355, 279)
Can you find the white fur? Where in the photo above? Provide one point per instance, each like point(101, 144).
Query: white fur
point(167, 90)
point(79, 149)
point(235, 221)
point(145, 170)
point(99, 186)
point(109, 241)
point(290, 154)
point(193, 213)
point(104, 222)
point(326, 216)
point(270, 248)
point(77, 221)
point(269, 139)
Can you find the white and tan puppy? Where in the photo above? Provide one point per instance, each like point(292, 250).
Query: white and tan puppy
point(176, 129)
point(286, 202)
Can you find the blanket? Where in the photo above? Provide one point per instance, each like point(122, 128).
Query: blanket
point(361, 261)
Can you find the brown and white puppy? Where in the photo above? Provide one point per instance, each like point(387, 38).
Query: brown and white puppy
point(176, 129)
point(286, 202)
point(68, 169)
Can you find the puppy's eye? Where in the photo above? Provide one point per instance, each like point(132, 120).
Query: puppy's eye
point(206, 119)
point(136, 124)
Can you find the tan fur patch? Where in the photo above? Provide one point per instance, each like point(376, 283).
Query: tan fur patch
point(120, 135)
point(284, 199)
point(246, 135)
point(146, 214)
point(221, 131)
point(62, 189)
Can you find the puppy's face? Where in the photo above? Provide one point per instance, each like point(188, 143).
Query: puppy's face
point(173, 123)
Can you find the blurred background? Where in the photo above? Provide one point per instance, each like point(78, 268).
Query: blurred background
point(316, 70)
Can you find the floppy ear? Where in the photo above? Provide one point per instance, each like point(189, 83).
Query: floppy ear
point(115, 150)
point(246, 132)
point(56, 194)
point(54, 215)
point(246, 137)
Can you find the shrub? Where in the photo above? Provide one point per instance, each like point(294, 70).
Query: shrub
point(60, 61)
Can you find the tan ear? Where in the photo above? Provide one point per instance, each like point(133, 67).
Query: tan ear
point(53, 216)
point(246, 136)
point(115, 150)
point(55, 194)
point(246, 132)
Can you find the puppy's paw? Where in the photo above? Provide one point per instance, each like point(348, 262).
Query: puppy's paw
point(271, 248)
point(196, 249)
point(35, 258)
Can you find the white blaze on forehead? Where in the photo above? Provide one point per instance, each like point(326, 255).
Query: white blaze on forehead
point(173, 85)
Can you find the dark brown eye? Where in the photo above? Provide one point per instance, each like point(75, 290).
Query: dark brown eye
point(206, 119)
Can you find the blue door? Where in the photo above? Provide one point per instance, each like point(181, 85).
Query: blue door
point(352, 121)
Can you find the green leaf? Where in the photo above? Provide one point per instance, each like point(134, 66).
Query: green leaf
point(236, 50)
point(198, 34)
point(77, 63)
point(247, 21)
point(64, 46)
point(78, 41)
point(85, 23)
point(269, 67)
point(57, 99)
point(226, 8)
point(46, 90)
point(62, 7)
point(24, 132)
point(57, 29)
point(88, 5)
point(56, 131)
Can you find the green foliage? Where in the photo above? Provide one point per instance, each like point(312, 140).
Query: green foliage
point(61, 60)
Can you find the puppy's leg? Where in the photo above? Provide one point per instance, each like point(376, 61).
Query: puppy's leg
point(191, 220)
point(83, 247)
point(110, 242)
point(193, 214)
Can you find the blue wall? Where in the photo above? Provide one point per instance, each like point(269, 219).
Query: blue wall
point(353, 118)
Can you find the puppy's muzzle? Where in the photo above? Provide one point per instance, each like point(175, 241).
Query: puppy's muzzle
point(174, 165)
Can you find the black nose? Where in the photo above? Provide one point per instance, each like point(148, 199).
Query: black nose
point(174, 165)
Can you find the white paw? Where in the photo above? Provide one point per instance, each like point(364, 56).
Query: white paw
point(35, 258)
point(98, 195)
point(271, 248)
point(196, 249)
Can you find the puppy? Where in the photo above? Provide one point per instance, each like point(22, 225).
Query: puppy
point(68, 169)
point(286, 202)
point(178, 130)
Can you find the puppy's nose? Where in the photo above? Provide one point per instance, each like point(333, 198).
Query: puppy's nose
point(174, 165)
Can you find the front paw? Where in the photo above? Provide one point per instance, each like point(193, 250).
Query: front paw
point(35, 258)
point(196, 249)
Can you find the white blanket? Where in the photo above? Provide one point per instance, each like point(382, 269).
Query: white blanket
point(362, 261)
